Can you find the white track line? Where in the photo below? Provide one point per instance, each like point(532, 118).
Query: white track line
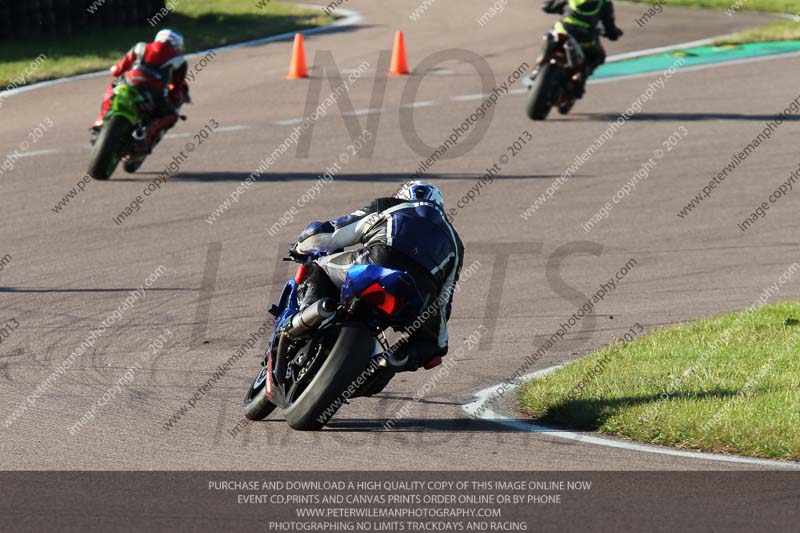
point(360, 112)
point(41, 152)
point(489, 415)
point(238, 127)
point(413, 105)
point(468, 97)
point(288, 121)
point(87, 146)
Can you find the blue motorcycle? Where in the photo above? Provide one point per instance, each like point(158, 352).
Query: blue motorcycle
point(332, 351)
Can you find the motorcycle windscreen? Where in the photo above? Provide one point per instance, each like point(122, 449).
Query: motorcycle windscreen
point(402, 301)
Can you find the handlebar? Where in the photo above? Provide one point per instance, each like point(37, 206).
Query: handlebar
point(307, 258)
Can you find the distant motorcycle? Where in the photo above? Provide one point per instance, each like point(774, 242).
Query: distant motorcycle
point(125, 132)
point(332, 351)
point(552, 82)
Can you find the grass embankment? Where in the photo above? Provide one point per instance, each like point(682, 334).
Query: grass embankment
point(204, 24)
point(724, 384)
point(780, 30)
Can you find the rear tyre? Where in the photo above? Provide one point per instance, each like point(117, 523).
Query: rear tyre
point(349, 357)
point(540, 96)
point(105, 152)
point(256, 404)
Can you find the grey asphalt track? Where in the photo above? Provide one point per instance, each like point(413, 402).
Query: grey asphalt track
point(71, 270)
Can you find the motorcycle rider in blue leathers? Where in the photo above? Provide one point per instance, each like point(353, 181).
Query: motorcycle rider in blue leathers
point(407, 232)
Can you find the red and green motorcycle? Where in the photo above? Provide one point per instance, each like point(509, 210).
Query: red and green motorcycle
point(125, 135)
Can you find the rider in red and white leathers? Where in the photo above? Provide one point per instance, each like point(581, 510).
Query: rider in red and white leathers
point(157, 69)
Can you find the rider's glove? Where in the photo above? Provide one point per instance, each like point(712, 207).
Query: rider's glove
point(294, 253)
point(613, 34)
point(549, 7)
point(315, 228)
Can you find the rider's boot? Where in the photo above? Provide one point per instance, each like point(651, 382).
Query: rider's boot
point(406, 355)
point(566, 106)
point(162, 125)
point(315, 286)
point(98, 122)
point(409, 354)
point(578, 83)
point(97, 125)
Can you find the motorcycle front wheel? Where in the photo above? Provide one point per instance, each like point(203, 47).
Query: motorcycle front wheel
point(105, 152)
point(540, 96)
point(256, 403)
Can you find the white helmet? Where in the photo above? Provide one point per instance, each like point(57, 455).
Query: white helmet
point(172, 37)
point(421, 190)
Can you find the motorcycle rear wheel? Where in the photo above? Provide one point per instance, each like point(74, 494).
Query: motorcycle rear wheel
point(324, 395)
point(105, 152)
point(133, 165)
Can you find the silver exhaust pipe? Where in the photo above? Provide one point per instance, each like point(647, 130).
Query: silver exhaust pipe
point(395, 362)
point(311, 317)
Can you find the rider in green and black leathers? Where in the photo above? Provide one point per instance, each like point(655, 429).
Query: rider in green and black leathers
point(580, 21)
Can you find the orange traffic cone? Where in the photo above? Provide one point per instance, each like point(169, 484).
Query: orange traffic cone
point(399, 65)
point(297, 68)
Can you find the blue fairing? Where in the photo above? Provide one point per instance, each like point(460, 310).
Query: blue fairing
point(398, 283)
point(359, 277)
point(288, 306)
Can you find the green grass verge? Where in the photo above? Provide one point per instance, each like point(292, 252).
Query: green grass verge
point(204, 24)
point(783, 30)
point(724, 384)
point(769, 6)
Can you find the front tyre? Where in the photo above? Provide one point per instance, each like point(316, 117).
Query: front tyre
point(540, 95)
point(133, 165)
point(105, 152)
point(256, 403)
point(324, 395)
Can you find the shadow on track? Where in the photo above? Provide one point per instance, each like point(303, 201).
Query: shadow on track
point(388, 396)
point(312, 176)
point(419, 425)
point(24, 290)
point(585, 415)
point(683, 117)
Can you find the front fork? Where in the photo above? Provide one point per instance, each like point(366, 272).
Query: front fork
point(546, 53)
